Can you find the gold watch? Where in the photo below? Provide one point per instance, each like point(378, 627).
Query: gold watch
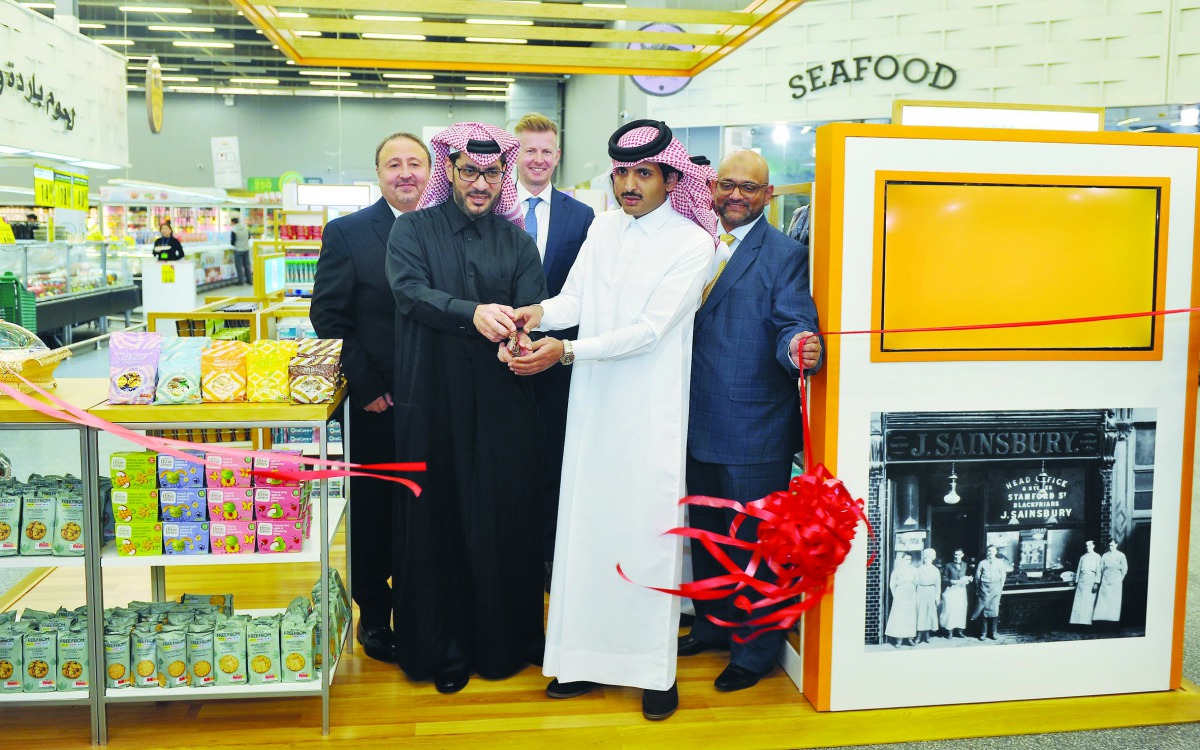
point(568, 355)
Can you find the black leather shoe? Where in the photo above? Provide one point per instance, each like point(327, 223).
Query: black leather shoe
point(451, 681)
point(660, 704)
point(561, 690)
point(377, 642)
point(689, 645)
point(735, 678)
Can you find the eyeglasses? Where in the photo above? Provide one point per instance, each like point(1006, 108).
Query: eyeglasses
point(470, 174)
point(749, 189)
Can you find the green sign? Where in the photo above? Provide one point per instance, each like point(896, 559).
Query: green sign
point(262, 184)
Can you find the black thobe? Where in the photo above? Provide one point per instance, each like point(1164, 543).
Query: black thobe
point(467, 556)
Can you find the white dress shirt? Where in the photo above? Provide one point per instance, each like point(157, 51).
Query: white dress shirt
point(725, 252)
point(542, 212)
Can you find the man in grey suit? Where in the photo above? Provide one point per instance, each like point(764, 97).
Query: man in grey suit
point(352, 301)
point(752, 335)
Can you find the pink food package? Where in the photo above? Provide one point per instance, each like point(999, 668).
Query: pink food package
point(279, 461)
point(232, 537)
point(231, 504)
point(279, 503)
point(280, 536)
point(223, 471)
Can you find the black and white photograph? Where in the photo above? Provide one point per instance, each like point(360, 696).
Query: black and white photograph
point(1006, 527)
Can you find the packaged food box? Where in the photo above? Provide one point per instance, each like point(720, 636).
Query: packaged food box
point(279, 503)
point(314, 380)
point(223, 471)
point(186, 538)
point(10, 524)
point(288, 461)
point(37, 524)
point(174, 473)
point(134, 470)
point(74, 660)
point(183, 505)
point(135, 506)
point(68, 526)
point(280, 536)
point(235, 504)
point(232, 537)
point(41, 661)
point(139, 539)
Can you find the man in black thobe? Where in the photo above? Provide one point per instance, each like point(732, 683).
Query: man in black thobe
point(467, 562)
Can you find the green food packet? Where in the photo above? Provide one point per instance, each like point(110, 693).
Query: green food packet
point(143, 655)
point(201, 653)
point(73, 659)
point(229, 649)
point(262, 649)
point(172, 657)
point(41, 661)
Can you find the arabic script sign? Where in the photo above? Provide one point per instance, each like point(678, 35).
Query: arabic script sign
point(13, 81)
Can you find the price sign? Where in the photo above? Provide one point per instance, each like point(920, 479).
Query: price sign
point(64, 190)
point(168, 274)
point(43, 187)
point(6, 233)
point(79, 192)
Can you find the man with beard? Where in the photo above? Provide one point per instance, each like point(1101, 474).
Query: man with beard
point(353, 302)
point(633, 293)
point(467, 562)
point(753, 335)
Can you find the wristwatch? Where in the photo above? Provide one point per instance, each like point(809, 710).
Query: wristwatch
point(568, 355)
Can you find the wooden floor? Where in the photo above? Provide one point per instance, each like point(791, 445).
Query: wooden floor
point(374, 704)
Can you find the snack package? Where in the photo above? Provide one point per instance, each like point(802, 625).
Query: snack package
point(223, 371)
point(74, 662)
point(230, 504)
point(10, 524)
point(279, 503)
point(280, 536)
point(135, 506)
point(176, 473)
point(296, 648)
point(319, 348)
point(222, 602)
point(132, 367)
point(223, 471)
point(201, 655)
point(40, 653)
point(134, 470)
point(143, 655)
point(172, 657)
point(12, 657)
point(314, 380)
point(68, 527)
point(185, 538)
point(229, 650)
point(139, 539)
point(116, 655)
point(37, 525)
point(179, 370)
point(233, 537)
point(262, 649)
point(288, 461)
point(267, 370)
point(183, 505)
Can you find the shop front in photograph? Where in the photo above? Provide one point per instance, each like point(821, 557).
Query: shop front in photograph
point(1049, 512)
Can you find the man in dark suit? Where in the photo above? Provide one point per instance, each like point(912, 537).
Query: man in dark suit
point(353, 302)
point(558, 225)
point(751, 337)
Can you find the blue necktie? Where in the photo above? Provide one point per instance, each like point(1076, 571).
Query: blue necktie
point(531, 217)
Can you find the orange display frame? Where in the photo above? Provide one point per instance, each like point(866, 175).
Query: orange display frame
point(828, 279)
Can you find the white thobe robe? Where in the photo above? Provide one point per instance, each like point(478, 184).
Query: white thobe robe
point(633, 291)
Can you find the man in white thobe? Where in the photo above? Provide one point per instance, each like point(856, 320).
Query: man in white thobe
point(633, 292)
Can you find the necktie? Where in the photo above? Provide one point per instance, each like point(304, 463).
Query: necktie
point(728, 240)
point(531, 217)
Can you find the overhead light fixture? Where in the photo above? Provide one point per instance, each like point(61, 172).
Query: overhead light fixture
point(424, 86)
point(180, 79)
point(495, 40)
point(397, 37)
point(490, 79)
point(806, 130)
point(154, 9)
point(326, 73)
point(263, 81)
point(52, 155)
point(214, 45)
point(290, 14)
point(500, 21)
point(39, 6)
point(15, 190)
point(192, 89)
point(780, 135)
point(332, 83)
point(410, 76)
point(137, 57)
point(184, 29)
point(95, 165)
point(92, 26)
point(1189, 117)
point(11, 150)
point(114, 42)
point(487, 88)
point(619, 6)
point(158, 186)
point(486, 97)
point(163, 68)
point(952, 497)
point(290, 62)
point(1128, 120)
point(307, 33)
point(390, 19)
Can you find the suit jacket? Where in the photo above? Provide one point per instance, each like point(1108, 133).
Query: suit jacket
point(745, 406)
point(352, 300)
point(569, 224)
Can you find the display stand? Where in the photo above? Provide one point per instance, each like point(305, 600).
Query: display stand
point(329, 512)
point(169, 286)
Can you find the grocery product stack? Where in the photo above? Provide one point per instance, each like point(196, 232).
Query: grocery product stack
point(44, 652)
point(42, 517)
point(212, 504)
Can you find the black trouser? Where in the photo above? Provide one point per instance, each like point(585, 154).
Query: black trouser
point(372, 440)
point(241, 260)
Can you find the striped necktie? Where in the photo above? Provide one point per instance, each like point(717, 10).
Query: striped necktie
point(728, 240)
